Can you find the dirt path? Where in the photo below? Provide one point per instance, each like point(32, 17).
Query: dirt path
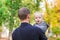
point(4, 39)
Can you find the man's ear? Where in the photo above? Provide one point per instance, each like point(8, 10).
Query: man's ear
point(28, 16)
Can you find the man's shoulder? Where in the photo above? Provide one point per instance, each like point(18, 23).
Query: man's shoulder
point(37, 29)
point(15, 31)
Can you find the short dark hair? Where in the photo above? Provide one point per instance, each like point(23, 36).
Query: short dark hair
point(23, 12)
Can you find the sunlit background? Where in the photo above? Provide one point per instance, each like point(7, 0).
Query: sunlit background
point(9, 20)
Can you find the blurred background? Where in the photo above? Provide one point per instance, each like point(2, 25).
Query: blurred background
point(9, 20)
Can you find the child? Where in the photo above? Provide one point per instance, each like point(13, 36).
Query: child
point(39, 21)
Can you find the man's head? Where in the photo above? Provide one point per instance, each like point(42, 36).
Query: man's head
point(38, 17)
point(24, 14)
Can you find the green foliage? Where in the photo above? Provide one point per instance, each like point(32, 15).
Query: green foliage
point(9, 11)
point(0, 29)
point(58, 38)
point(56, 30)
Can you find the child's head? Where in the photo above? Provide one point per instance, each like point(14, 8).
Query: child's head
point(38, 17)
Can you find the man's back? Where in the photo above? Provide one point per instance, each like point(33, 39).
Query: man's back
point(28, 32)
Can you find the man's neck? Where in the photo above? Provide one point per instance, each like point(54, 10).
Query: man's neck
point(24, 21)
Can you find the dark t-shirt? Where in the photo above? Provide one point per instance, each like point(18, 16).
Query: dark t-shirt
point(28, 32)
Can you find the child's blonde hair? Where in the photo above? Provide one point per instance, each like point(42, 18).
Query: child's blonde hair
point(38, 13)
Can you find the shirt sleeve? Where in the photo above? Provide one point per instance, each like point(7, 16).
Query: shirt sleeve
point(42, 36)
point(13, 36)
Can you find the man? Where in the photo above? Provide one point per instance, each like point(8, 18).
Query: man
point(40, 22)
point(26, 31)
